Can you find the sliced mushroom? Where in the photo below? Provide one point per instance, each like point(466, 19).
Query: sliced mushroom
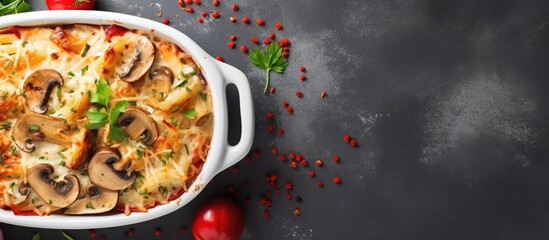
point(97, 200)
point(162, 82)
point(38, 88)
point(22, 193)
point(103, 174)
point(142, 62)
point(35, 127)
point(56, 194)
point(139, 125)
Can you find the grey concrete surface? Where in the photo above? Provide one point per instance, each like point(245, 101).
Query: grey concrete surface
point(446, 99)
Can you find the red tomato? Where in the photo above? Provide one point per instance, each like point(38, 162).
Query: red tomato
point(70, 4)
point(219, 218)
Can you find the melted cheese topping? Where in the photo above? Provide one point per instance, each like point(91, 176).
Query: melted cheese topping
point(164, 170)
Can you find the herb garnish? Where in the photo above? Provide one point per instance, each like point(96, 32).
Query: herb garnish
point(97, 117)
point(271, 60)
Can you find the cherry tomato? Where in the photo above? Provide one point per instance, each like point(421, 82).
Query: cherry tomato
point(70, 4)
point(219, 218)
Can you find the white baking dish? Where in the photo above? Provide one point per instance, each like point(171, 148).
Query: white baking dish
point(217, 74)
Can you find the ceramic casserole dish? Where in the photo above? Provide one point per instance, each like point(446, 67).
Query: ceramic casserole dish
point(217, 74)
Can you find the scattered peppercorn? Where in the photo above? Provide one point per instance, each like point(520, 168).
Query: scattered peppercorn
point(269, 115)
point(336, 159)
point(292, 155)
point(273, 90)
point(188, 1)
point(271, 128)
point(215, 14)
point(304, 163)
point(285, 104)
point(293, 165)
point(158, 232)
point(235, 7)
point(285, 54)
point(266, 213)
point(323, 94)
point(274, 150)
point(297, 212)
point(255, 40)
point(204, 14)
point(278, 25)
point(232, 19)
point(284, 42)
point(353, 143)
point(280, 132)
point(298, 157)
point(216, 3)
point(231, 44)
point(347, 138)
point(282, 157)
point(337, 180)
point(272, 36)
point(92, 233)
point(267, 41)
point(299, 94)
point(260, 22)
point(246, 20)
point(289, 196)
point(181, 3)
point(269, 194)
point(219, 58)
point(201, 20)
point(166, 21)
point(302, 69)
point(244, 49)
point(318, 162)
point(312, 173)
point(189, 10)
point(289, 185)
point(257, 154)
point(302, 77)
point(320, 184)
point(290, 109)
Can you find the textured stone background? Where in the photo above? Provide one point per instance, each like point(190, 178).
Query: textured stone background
point(446, 99)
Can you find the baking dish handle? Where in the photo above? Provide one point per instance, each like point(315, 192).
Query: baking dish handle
point(234, 76)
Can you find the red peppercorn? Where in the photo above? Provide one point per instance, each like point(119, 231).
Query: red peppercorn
point(292, 155)
point(197, 2)
point(323, 94)
point(266, 213)
point(285, 54)
point(201, 20)
point(219, 58)
point(183, 229)
point(302, 77)
point(273, 90)
point(254, 40)
point(189, 10)
point(337, 180)
point(246, 20)
point(267, 41)
point(235, 7)
point(278, 25)
point(215, 14)
point(188, 1)
point(289, 185)
point(262, 200)
point(271, 128)
point(235, 169)
point(244, 49)
point(231, 44)
point(277, 190)
point(312, 173)
point(336, 158)
point(318, 162)
point(131, 231)
point(282, 157)
point(298, 157)
point(280, 132)
point(272, 36)
point(269, 115)
point(204, 14)
point(304, 163)
point(299, 94)
point(302, 69)
point(257, 154)
point(347, 138)
point(293, 165)
point(232, 19)
point(353, 143)
point(285, 104)
point(260, 22)
point(289, 196)
point(92, 233)
point(274, 177)
point(290, 109)
point(297, 212)
point(158, 232)
point(274, 150)
point(181, 3)
point(320, 184)
point(284, 42)
point(286, 49)
point(216, 3)
point(166, 21)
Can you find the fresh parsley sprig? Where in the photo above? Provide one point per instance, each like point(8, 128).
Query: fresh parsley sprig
point(271, 60)
point(99, 117)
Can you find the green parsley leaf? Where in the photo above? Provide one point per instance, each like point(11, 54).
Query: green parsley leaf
point(60, 154)
point(115, 111)
point(85, 50)
point(204, 96)
point(36, 236)
point(67, 236)
point(115, 132)
point(101, 94)
point(90, 206)
point(34, 127)
point(71, 74)
point(182, 84)
point(84, 70)
point(190, 113)
point(96, 118)
point(271, 60)
point(5, 125)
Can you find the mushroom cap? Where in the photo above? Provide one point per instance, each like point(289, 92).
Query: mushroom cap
point(103, 174)
point(142, 62)
point(56, 194)
point(97, 200)
point(36, 127)
point(138, 124)
point(38, 88)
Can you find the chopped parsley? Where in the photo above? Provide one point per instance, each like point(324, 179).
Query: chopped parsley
point(190, 113)
point(34, 127)
point(85, 51)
